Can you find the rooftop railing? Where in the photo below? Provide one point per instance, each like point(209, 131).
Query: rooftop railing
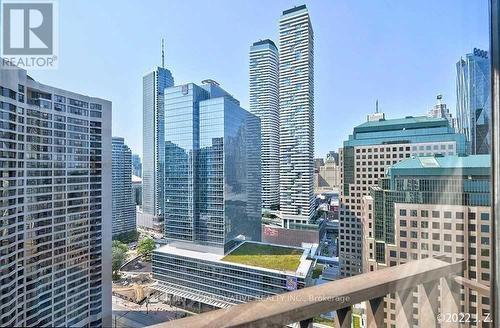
point(439, 284)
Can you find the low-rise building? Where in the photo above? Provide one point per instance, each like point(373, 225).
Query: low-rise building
point(249, 272)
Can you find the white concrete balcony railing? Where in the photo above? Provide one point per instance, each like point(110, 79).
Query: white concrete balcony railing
point(439, 284)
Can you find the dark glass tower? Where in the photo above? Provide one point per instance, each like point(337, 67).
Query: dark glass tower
point(212, 167)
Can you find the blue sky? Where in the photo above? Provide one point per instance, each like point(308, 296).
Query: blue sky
point(400, 52)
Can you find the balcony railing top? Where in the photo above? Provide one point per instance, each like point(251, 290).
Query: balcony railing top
point(304, 304)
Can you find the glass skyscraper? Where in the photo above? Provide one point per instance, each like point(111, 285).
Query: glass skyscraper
point(212, 167)
point(124, 219)
point(296, 62)
point(264, 102)
point(474, 100)
point(136, 165)
point(153, 146)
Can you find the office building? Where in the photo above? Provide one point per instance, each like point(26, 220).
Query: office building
point(148, 223)
point(318, 162)
point(365, 156)
point(327, 176)
point(441, 111)
point(264, 103)
point(212, 167)
point(474, 101)
point(153, 144)
point(137, 190)
point(296, 92)
point(242, 275)
point(123, 209)
point(56, 205)
point(213, 205)
point(136, 165)
point(429, 207)
point(333, 156)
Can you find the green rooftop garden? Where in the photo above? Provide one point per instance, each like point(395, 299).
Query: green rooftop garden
point(266, 256)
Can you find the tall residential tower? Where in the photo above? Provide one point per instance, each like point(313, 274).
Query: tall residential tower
point(153, 143)
point(264, 102)
point(55, 163)
point(123, 199)
point(474, 100)
point(296, 61)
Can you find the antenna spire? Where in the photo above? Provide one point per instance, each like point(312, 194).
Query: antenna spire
point(162, 53)
point(376, 106)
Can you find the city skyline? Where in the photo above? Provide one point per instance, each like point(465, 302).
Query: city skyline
point(452, 32)
point(156, 186)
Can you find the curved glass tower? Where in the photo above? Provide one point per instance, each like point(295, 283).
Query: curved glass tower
point(264, 102)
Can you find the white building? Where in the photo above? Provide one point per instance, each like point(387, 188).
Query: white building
point(55, 163)
point(440, 110)
point(264, 102)
point(296, 55)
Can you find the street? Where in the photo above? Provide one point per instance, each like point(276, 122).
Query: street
point(131, 315)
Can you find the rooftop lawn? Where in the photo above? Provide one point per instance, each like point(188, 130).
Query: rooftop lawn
point(266, 256)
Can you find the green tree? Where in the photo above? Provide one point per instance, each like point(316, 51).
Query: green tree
point(145, 247)
point(118, 258)
point(127, 237)
point(120, 245)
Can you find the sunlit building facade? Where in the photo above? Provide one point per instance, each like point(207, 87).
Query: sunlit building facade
point(264, 103)
point(55, 163)
point(429, 207)
point(296, 92)
point(212, 167)
point(153, 144)
point(370, 150)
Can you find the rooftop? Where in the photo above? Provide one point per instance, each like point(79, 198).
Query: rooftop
point(400, 123)
point(410, 129)
point(265, 42)
point(445, 165)
point(294, 9)
point(255, 255)
point(266, 256)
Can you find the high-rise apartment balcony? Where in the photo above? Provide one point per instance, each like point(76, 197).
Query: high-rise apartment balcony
point(437, 282)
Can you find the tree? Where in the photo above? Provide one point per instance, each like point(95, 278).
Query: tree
point(120, 245)
point(145, 247)
point(127, 237)
point(118, 258)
